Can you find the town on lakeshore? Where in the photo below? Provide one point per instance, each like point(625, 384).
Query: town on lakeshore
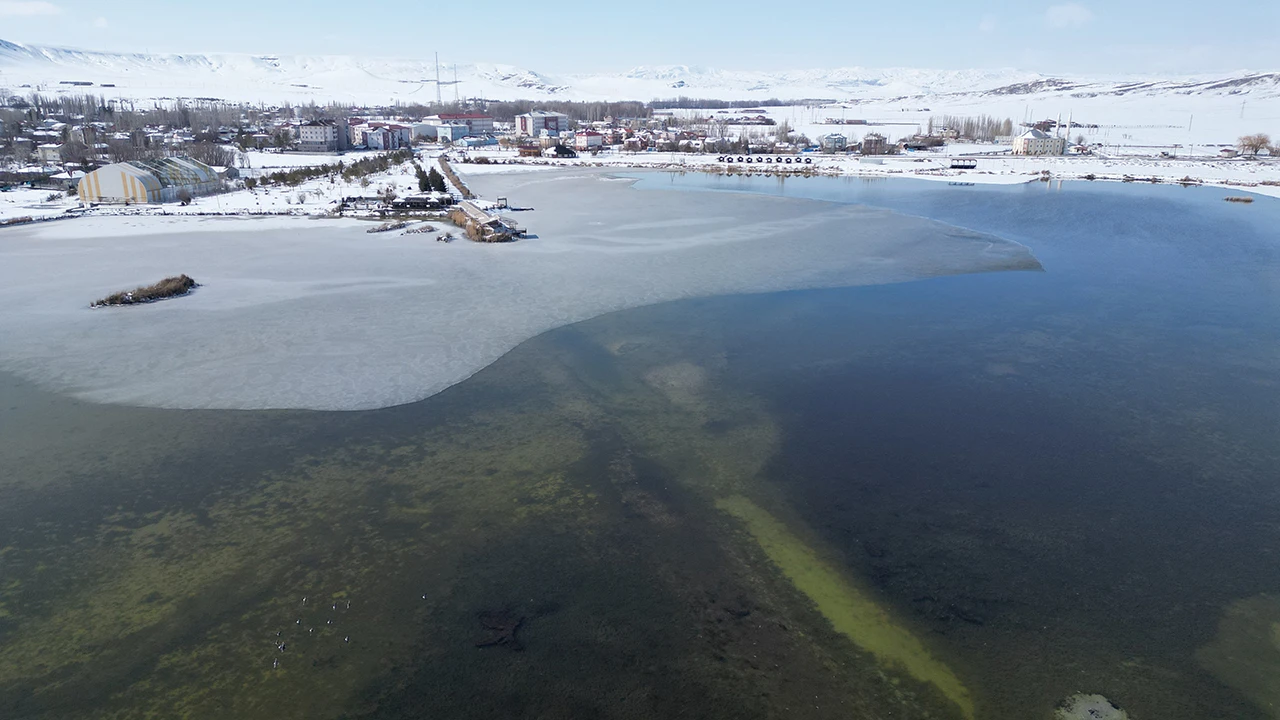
point(69, 150)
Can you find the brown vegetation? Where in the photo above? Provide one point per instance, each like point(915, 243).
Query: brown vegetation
point(453, 178)
point(1254, 144)
point(388, 227)
point(166, 288)
point(494, 233)
point(1239, 199)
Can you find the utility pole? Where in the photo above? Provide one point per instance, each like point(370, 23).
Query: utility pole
point(439, 102)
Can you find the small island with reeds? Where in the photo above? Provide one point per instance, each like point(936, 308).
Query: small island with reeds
point(169, 287)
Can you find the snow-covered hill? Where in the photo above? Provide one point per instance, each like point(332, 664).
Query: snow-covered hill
point(273, 78)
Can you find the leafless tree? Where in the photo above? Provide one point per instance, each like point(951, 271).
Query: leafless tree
point(75, 152)
point(1254, 144)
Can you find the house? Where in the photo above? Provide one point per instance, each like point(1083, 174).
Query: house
point(874, 144)
point(451, 132)
point(49, 153)
point(538, 121)
point(834, 142)
point(560, 151)
point(66, 180)
point(83, 134)
point(1224, 152)
point(1038, 142)
point(588, 140)
point(148, 181)
point(482, 141)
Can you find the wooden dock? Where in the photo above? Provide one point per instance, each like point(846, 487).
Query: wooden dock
point(493, 224)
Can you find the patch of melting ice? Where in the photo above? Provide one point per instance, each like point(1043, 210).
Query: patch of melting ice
point(295, 313)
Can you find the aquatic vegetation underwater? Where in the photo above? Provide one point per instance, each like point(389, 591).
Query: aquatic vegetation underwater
point(1245, 653)
point(547, 544)
point(849, 608)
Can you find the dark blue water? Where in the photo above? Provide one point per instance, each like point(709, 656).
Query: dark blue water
point(1069, 474)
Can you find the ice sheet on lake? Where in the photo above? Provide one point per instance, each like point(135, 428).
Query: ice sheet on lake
point(299, 313)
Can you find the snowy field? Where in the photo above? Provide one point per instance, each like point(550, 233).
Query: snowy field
point(313, 197)
point(1190, 125)
point(265, 161)
point(1256, 176)
point(316, 313)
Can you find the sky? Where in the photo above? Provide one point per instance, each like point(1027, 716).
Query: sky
point(1051, 36)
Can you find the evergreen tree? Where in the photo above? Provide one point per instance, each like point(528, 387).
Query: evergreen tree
point(436, 181)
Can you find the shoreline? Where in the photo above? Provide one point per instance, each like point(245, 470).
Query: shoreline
point(827, 166)
point(1258, 177)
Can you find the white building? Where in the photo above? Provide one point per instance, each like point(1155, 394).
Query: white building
point(477, 123)
point(588, 140)
point(1036, 142)
point(49, 153)
point(452, 132)
point(835, 142)
point(322, 136)
point(539, 121)
point(385, 136)
point(424, 129)
point(148, 181)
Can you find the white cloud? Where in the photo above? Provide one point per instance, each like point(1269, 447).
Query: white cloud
point(100, 22)
point(988, 24)
point(1069, 15)
point(27, 8)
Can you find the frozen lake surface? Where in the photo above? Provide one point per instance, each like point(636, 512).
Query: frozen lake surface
point(319, 314)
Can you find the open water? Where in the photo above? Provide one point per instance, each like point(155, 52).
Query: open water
point(968, 496)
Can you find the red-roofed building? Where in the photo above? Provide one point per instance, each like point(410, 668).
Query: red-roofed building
point(588, 140)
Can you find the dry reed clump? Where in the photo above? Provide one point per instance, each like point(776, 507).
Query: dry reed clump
point(1239, 199)
point(166, 288)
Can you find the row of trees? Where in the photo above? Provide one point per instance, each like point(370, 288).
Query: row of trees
point(580, 111)
point(688, 103)
point(357, 170)
point(981, 127)
point(430, 181)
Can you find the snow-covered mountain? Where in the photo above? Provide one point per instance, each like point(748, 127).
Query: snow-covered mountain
point(274, 78)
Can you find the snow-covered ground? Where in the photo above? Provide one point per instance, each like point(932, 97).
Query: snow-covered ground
point(265, 160)
point(1257, 176)
point(1194, 125)
point(35, 203)
point(372, 80)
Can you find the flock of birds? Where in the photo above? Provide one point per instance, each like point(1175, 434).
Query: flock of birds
point(282, 645)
